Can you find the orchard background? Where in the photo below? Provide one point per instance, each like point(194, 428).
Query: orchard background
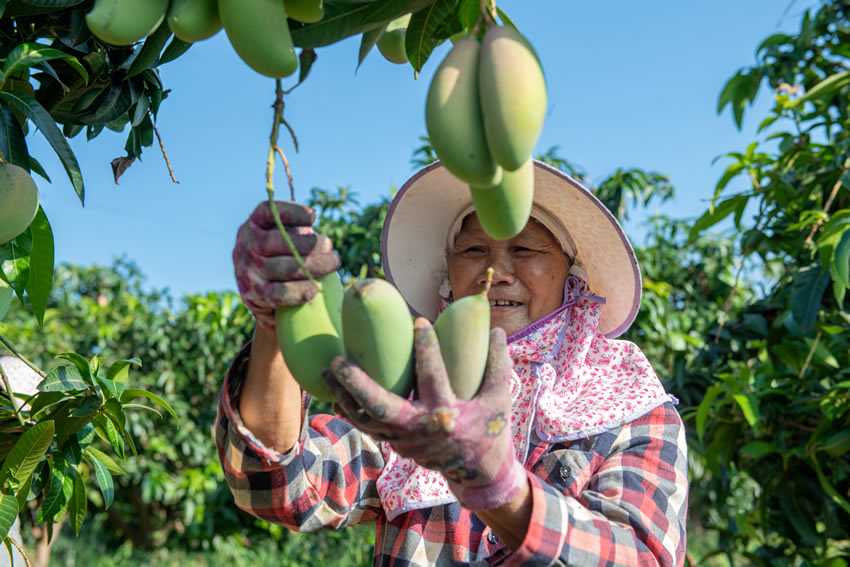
point(745, 314)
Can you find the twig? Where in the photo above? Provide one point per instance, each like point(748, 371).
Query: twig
point(828, 204)
point(35, 368)
point(20, 550)
point(273, 147)
point(810, 355)
point(795, 425)
point(164, 154)
point(285, 161)
point(727, 305)
point(291, 133)
point(11, 396)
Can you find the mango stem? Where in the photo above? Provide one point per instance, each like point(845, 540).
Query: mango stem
point(488, 283)
point(278, 117)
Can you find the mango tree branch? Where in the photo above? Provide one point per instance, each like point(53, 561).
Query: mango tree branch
point(11, 396)
point(164, 154)
point(35, 368)
point(829, 201)
point(20, 550)
point(273, 147)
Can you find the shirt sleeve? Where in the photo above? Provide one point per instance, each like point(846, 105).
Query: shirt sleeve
point(632, 511)
point(327, 480)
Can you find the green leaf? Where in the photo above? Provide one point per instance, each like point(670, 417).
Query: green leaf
point(841, 259)
point(420, 38)
point(107, 430)
point(775, 39)
point(825, 88)
point(726, 95)
point(85, 435)
point(757, 449)
point(368, 41)
point(827, 487)
point(15, 261)
point(110, 464)
point(71, 450)
point(175, 49)
point(749, 406)
point(143, 407)
point(60, 490)
point(305, 62)
point(139, 393)
point(8, 512)
point(110, 386)
point(150, 50)
point(27, 453)
point(79, 503)
point(505, 19)
point(836, 444)
point(6, 295)
point(705, 406)
point(63, 379)
point(113, 410)
point(717, 214)
point(80, 362)
point(27, 55)
point(88, 406)
point(807, 292)
point(344, 20)
point(47, 126)
point(104, 479)
point(35, 166)
point(110, 105)
point(41, 265)
point(13, 143)
point(469, 12)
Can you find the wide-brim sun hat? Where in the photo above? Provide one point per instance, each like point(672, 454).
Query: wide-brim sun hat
point(428, 206)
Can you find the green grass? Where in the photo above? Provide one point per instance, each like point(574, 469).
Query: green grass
point(352, 547)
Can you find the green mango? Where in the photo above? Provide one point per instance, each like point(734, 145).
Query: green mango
point(124, 22)
point(463, 331)
point(391, 43)
point(453, 117)
point(259, 32)
point(377, 331)
point(513, 96)
point(309, 336)
point(194, 20)
point(18, 201)
point(306, 11)
point(503, 210)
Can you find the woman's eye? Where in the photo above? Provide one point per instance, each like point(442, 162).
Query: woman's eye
point(472, 250)
point(522, 249)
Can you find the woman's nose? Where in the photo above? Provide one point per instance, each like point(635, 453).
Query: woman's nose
point(503, 272)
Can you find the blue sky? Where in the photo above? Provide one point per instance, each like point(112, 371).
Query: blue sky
point(631, 84)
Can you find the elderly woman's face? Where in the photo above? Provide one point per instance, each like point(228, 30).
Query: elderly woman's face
point(529, 272)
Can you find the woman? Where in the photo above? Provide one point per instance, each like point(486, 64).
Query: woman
point(570, 454)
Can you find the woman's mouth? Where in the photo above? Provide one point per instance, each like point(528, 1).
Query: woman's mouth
point(503, 304)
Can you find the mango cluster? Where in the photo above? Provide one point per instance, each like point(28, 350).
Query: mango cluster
point(370, 324)
point(484, 113)
point(258, 30)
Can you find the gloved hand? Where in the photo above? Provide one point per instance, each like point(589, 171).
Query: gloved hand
point(470, 442)
point(267, 274)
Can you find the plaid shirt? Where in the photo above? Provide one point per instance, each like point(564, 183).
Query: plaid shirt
point(618, 498)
